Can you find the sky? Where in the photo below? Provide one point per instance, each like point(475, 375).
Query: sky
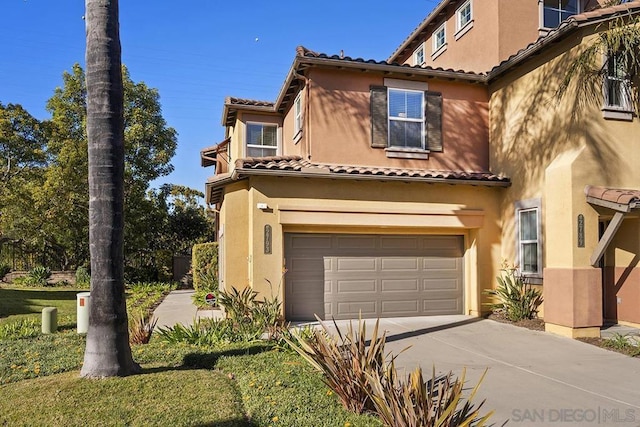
point(196, 53)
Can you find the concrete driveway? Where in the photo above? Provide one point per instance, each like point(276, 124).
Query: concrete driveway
point(533, 379)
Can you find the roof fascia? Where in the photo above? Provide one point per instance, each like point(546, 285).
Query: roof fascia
point(244, 172)
point(423, 25)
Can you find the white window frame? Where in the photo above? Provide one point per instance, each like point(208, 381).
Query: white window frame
point(419, 56)
point(462, 28)
point(438, 47)
point(558, 10)
point(421, 120)
point(624, 109)
point(297, 116)
point(276, 148)
point(522, 206)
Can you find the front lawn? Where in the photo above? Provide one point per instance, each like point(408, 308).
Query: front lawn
point(230, 385)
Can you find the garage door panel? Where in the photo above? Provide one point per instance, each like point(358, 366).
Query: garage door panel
point(399, 242)
point(355, 242)
point(385, 275)
point(364, 264)
point(400, 263)
point(400, 285)
point(356, 286)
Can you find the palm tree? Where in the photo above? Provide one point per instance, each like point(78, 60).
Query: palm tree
point(618, 42)
point(107, 351)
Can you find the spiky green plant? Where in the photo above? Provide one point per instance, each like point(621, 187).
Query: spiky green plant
point(516, 298)
point(140, 329)
point(419, 403)
point(346, 360)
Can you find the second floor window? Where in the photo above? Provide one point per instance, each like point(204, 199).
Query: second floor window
point(556, 11)
point(297, 110)
point(464, 15)
point(406, 118)
point(439, 38)
point(262, 140)
point(617, 86)
point(418, 56)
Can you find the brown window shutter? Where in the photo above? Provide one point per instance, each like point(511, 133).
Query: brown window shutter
point(379, 121)
point(434, 121)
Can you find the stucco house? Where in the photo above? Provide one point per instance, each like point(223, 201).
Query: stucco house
point(398, 187)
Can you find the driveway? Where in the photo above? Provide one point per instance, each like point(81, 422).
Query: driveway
point(533, 379)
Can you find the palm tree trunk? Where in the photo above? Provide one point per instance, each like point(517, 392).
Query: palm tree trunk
point(107, 351)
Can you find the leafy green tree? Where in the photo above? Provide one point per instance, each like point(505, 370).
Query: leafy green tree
point(22, 158)
point(107, 352)
point(149, 146)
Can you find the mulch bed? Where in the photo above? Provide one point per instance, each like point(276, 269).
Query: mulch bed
point(533, 324)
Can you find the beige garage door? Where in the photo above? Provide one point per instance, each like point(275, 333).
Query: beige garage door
point(340, 275)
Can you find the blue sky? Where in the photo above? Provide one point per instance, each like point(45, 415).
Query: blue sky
point(195, 52)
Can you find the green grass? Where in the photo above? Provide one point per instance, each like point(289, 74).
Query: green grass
point(158, 397)
point(19, 303)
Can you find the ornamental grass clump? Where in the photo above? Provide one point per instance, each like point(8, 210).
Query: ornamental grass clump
point(140, 329)
point(348, 361)
point(515, 297)
point(419, 403)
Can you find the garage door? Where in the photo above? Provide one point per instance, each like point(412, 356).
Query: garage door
point(340, 275)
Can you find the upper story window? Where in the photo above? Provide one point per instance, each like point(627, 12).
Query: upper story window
point(406, 118)
point(464, 15)
point(556, 11)
point(418, 55)
point(617, 86)
point(297, 111)
point(262, 139)
point(529, 237)
point(439, 39)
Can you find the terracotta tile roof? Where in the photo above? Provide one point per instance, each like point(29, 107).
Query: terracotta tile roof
point(619, 196)
point(230, 100)
point(562, 30)
point(307, 53)
point(298, 164)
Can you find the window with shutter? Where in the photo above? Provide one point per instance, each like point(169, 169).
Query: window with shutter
point(406, 120)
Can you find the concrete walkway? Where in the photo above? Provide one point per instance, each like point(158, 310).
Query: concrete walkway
point(178, 307)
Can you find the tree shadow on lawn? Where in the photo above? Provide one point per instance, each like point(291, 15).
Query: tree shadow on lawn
point(209, 359)
point(23, 301)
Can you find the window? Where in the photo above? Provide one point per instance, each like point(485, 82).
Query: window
point(617, 86)
point(262, 140)
point(406, 118)
point(418, 55)
point(439, 39)
point(297, 111)
point(464, 16)
point(556, 11)
point(529, 241)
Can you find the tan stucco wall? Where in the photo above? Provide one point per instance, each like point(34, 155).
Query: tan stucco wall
point(346, 206)
point(339, 125)
point(500, 28)
point(234, 217)
point(553, 154)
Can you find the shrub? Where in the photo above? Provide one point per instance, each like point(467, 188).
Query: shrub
point(203, 332)
point(83, 278)
point(37, 276)
point(419, 403)
point(204, 265)
point(21, 328)
point(345, 360)
point(515, 297)
point(140, 330)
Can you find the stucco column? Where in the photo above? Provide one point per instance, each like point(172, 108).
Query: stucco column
point(572, 287)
